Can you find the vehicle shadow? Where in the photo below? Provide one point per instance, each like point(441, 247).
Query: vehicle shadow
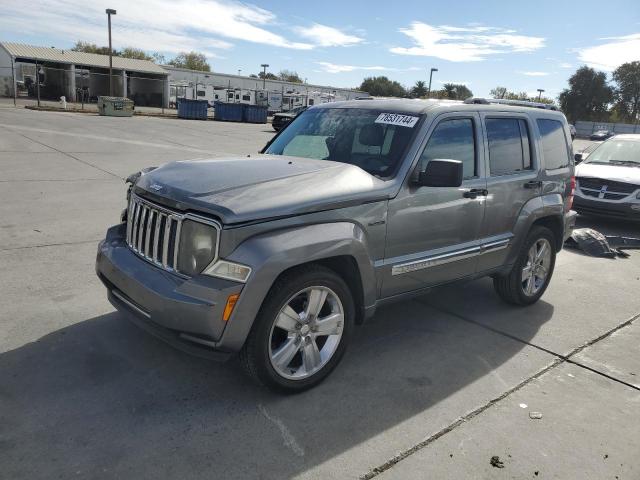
point(103, 399)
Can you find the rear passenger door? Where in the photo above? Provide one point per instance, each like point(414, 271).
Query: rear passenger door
point(512, 180)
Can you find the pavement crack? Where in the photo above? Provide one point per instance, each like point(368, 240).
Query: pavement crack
point(70, 156)
point(288, 438)
point(565, 358)
point(80, 242)
point(559, 360)
point(419, 446)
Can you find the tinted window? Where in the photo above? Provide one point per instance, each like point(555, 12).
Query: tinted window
point(509, 147)
point(348, 135)
point(452, 140)
point(554, 144)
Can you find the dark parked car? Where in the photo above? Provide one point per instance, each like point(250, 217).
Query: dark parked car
point(608, 180)
point(601, 135)
point(354, 205)
point(281, 119)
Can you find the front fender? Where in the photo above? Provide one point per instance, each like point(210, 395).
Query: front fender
point(272, 253)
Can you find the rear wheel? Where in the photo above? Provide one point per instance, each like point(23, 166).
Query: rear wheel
point(302, 330)
point(530, 275)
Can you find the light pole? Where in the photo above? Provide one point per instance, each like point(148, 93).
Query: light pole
point(540, 90)
point(430, 78)
point(264, 75)
point(109, 12)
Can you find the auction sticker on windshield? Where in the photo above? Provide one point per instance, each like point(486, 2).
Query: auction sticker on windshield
point(397, 119)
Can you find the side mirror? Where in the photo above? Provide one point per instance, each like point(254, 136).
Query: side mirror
point(441, 173)
point(577, 158)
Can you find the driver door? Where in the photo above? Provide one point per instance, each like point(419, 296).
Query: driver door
point(433, 232)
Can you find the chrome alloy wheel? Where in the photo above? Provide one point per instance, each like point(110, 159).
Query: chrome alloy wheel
point(306, 332)
point(536, 270)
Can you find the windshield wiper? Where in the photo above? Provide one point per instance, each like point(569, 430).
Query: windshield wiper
point(625, 162)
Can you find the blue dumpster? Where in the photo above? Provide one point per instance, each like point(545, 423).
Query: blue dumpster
point(255, 114)
point(228, 112)
point(192, 109)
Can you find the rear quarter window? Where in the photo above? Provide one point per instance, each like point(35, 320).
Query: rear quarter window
point(554, 143)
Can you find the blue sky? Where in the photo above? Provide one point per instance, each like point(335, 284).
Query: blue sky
point(520, 45)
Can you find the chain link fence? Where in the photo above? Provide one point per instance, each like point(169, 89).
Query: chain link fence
point(78, 87)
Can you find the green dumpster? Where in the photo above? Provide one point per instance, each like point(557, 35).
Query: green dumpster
point(115, 106)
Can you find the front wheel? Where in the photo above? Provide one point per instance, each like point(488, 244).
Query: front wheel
point(530, 275)
point(301, 331)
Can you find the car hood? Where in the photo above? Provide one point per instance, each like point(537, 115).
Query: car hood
point(618, 173)
point(242, 189)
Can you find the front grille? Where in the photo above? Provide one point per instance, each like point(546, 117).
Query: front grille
point(612, 186)
point(606, 196)
point(154, 232)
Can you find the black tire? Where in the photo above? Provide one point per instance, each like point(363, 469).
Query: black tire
point(510, 287)
point(254, 356)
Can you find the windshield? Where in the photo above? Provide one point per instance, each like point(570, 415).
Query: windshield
point(370, 139)
point(616, 152)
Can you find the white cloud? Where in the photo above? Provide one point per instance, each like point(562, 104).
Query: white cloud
point(325, 36)
point(534, 74)
point(565, 65)
point(155, 25)
point(464, 44)
point(334, 68)
point(615, 52)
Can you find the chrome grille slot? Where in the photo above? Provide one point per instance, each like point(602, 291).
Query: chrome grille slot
point(153, 232)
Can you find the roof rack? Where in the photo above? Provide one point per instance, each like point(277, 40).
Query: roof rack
point(516, 103)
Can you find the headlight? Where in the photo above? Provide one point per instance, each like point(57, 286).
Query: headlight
point(229, 271)
point(198, 244)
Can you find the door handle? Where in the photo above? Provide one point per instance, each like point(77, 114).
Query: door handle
point(533, 184)
point(475, 192)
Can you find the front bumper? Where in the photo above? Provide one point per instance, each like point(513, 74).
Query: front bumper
point(186, 313)
point(621, 210)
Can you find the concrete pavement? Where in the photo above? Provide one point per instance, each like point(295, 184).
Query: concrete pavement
point(430, 388)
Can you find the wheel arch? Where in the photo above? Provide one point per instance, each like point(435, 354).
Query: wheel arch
point(340, 246)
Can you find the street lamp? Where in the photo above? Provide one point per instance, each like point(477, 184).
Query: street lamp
point(239, 71)
point(431, 78)
point(540, 90)
point(264, 75)
point(109, 12)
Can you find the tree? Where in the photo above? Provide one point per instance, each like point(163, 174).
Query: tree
point(87, 47)
point(455, 91)
point(159, 58)
point(419, 90)
point(135, 53)
point(268, 76)
point(382, 87)
point(289, 76)
point(627, 92)
point(587, 97)
point(499, 92)
point(191, 61)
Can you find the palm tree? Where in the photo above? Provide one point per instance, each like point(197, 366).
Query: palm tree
point(419, 90)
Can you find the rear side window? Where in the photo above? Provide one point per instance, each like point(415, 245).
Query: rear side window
point(509, 145)
point(452, 139)
point(554, 144)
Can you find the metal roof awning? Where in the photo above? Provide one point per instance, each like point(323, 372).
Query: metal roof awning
point(70, 57)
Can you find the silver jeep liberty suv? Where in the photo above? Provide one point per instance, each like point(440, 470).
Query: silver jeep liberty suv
point(352, 205)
